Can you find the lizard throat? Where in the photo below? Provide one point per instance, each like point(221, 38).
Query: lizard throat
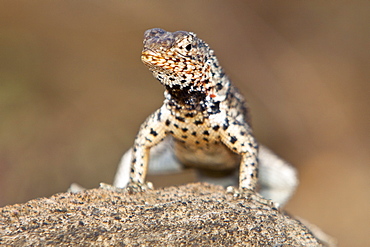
point(186, 99)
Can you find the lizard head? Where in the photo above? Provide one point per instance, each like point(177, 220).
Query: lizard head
point(179, 60)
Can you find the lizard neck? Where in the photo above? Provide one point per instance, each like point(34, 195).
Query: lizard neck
point(203, 97)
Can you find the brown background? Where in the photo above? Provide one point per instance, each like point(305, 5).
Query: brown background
point(73, 93)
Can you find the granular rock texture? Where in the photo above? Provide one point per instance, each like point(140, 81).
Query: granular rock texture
point(191, 215)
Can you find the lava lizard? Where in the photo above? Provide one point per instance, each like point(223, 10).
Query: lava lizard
point(203, 123)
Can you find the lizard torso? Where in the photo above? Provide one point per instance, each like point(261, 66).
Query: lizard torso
point(197, 140)
point(203, 112)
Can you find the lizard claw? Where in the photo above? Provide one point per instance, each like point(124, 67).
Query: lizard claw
point(251, 195)
point(130, 188)
point(138, 187)
point(240, 193)
point(110, 187)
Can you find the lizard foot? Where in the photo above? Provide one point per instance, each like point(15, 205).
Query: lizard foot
point(250, 195)
point(105, 186)
point(138, 187)
point(130, 188)
point(239, 193)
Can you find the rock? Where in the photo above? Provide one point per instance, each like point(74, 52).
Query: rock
point(195, 214)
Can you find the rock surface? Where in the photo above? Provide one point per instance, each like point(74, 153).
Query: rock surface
point(193, 214)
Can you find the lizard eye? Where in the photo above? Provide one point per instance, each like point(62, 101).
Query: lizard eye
point(188, 47)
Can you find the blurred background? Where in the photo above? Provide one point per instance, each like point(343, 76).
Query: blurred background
point(73, 93)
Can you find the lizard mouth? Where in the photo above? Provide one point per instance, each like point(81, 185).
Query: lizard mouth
point(151, 58)
point(154, 61)
point(168, 63)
